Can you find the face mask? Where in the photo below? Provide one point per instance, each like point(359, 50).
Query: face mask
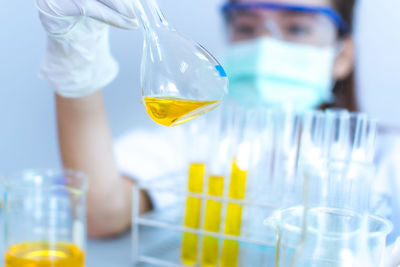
point(280, 74)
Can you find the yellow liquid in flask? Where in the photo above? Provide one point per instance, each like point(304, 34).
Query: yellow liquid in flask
point(233, 220)
point(171, 111)
point(192, 214)
point(44, 254)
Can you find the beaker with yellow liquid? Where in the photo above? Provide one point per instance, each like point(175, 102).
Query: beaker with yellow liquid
point(44, 215)
point(43, 254)
point(180, 79)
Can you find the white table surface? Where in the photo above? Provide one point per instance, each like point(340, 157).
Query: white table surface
point(110, 253)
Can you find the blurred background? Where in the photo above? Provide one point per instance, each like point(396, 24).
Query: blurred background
point(27, 115)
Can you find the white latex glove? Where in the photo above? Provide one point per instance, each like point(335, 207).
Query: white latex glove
point(392, 257)
point(78, 59)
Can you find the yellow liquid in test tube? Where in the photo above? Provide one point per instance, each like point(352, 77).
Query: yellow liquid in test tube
point(43, 254)
point(174, 111)
point(192, 214)
point(212, 221)
point(233, 220)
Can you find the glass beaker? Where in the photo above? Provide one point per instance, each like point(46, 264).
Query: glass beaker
point(180, 79)
point(288, 224)
point(44, 218)
point(335, 199)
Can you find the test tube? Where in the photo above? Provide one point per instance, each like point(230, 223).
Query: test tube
point(233, 219)
point(237, 187)
point(336, 155)
point(218, 166)
point(212, 221)
point(338, 134)
point(192, 213)
point(198, 142)
point(335, 212)
point(275, 159)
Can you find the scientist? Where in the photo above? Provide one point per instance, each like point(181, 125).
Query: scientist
point(288, 53)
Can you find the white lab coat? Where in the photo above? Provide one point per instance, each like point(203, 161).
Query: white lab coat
point(145, 155)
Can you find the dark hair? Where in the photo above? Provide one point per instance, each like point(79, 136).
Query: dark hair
point(344, 90)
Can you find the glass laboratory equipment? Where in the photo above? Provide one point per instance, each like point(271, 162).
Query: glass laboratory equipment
point(218, 169)
point(233, 135)
point(338, 134)
point(44, 218)
point(180, 79)
point(275, 156)
point(334, 171)
point(197, 152)
point(335, 199)
point(217, 219)
point(288, 224)
point(244, 134)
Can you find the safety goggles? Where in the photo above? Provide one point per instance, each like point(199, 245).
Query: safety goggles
point(312, 25)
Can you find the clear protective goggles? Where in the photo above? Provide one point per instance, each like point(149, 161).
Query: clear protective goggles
point(311, 25)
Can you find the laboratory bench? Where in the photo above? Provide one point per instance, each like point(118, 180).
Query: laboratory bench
point(116, 252)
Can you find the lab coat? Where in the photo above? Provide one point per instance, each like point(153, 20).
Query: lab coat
point(145, 155)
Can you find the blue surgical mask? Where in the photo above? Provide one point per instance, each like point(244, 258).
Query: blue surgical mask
point(280, 74)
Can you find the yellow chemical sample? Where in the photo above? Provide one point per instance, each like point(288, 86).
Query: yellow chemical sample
point(233, 220)
point(212, 221)
point(174, 111)
point(43, 254)
point(192, 213)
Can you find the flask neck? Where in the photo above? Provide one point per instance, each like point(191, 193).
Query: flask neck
point(149, 14)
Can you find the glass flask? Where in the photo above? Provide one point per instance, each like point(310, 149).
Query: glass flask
point(334, 170)
point(334, 227)
point(180, 79)
point(288, 225)
point(44, 218)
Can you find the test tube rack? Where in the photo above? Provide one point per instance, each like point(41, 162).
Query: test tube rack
point(157, 235)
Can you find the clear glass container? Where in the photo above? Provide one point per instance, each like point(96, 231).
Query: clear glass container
point(288, 224)
point(44, 218)
point(334, 227)
point(180, 79)
point(275, 156)
point(338, 134)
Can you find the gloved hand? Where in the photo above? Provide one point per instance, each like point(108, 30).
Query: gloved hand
point(78, 59)
point(392, 257)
